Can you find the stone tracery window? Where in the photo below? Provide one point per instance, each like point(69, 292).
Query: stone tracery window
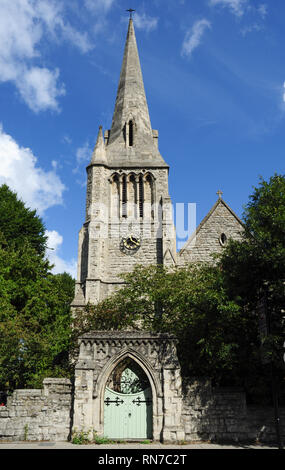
point(128, 377)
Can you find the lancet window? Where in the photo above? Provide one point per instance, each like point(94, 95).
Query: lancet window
point(132, 195)
point(129, 133)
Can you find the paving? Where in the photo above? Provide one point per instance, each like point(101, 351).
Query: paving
point(128, 446)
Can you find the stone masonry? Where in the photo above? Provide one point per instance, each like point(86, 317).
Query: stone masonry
point(101, 351)
point(128, 196)
point(127, 192)
point(209, 414)
point(219, 225)
point(38, 415)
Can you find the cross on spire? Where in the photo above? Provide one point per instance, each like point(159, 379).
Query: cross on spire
point(219, 193)
point(130, 10)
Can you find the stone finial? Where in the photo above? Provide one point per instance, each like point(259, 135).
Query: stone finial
point(219, 193)
point(99, 153)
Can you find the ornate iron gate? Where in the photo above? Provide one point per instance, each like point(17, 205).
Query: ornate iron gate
point(128, 404)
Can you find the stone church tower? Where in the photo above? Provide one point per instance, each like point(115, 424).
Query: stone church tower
point(128, 209)
point(128, 384)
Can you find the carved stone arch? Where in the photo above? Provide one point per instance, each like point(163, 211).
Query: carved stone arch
point(149, 175)
point(141, 361)
point(114, 177)
point(116, 359)
point(131, 175)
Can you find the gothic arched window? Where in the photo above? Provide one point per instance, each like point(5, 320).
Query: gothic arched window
point(124, 196)
point(115, 196)
point(132, 196)
point(141, 196)
point(148, 196)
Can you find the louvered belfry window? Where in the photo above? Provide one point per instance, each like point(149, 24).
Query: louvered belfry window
point(124, 196)
point(141, 196)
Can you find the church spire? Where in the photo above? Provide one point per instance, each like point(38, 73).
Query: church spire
point(132, 142)
point(131, 105)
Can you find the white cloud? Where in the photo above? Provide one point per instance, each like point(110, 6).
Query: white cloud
point(84, 153)
point(255, 27)
point(193, 37)
point(23, 24)
point(83, 156)
point(54, 243)
point(40, 89)
point(39, 189)
point(237, 7)
point(142, 21)
point(99, 6)
point(262, 10)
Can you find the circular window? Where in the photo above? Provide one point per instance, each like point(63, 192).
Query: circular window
point(223, 239)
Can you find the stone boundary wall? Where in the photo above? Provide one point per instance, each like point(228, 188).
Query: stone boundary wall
point(39, 414)
point(221, 414)
point(208, 414)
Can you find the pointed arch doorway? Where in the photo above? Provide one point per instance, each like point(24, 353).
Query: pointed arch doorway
point(128, 403)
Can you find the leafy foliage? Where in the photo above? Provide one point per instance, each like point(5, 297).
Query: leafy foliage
point(190, 303)
point(34, 304)
point(254, 271)
point(19, 224)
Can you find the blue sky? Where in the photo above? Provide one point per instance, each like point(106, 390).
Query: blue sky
point(214, 74)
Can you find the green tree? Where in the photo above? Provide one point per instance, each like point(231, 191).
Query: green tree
point(34, 304)
point(254, 272)
point(18, 223)
point(190, 303)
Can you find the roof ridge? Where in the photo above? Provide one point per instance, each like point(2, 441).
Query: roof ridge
point(204, 220)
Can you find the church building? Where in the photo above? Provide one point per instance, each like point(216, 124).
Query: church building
point(128, 383)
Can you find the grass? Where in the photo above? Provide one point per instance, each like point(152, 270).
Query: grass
point(83, 437)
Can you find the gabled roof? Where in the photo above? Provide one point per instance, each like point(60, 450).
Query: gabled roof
point(195, 233)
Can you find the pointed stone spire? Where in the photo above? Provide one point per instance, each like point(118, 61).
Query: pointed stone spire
point(131, 141)
point(131, 104)
point(99, 153)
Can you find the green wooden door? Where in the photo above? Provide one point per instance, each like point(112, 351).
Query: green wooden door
point(128, 412)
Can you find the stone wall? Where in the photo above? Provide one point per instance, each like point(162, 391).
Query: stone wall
point(221, 414)
point(102, 351)
point(207, 238)
point(206, 413)
point(36, 415)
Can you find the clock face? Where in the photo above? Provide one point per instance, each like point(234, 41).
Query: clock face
point(130, 244)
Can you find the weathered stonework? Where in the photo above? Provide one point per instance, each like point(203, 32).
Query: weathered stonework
point(205, 413)
point(100, 352)
point(207, 239)
point(36, 415)
point(222, 415)
point(127, 193)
